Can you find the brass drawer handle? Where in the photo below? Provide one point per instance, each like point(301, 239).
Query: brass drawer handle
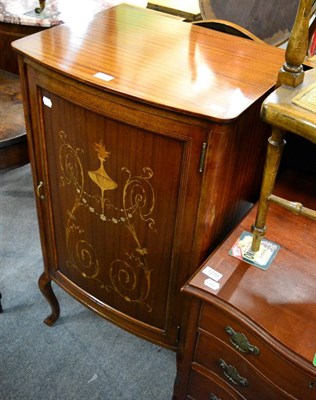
point(38, 190)
point(214, 397)
point(232, 374)
point(240, 342)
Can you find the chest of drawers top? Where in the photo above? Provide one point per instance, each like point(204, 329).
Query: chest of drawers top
point(146, 55)
point(279, 304)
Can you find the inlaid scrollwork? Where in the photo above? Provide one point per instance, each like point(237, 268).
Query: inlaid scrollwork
point(138, 196)
point(70, 163)
point(138, 201)
point(129, 275)
point(83, 258)
point(124, 279)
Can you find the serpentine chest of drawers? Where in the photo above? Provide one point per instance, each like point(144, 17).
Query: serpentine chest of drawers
point(254, 336)
point(146, 148)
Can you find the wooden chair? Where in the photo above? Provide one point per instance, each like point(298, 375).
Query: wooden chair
point(252, 17)
point(227, 27)
point(291, 107)
point(268, 20)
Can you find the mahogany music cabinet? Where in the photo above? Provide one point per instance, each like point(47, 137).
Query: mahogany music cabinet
point(146, 148)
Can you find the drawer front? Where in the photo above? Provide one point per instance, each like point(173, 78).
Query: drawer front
point(227, 364)
point(209, 387)
point(257, 353)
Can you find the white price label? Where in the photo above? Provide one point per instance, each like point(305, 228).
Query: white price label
point(47, 102)
point(104, 77)
point(211, 284)
point(211, 273)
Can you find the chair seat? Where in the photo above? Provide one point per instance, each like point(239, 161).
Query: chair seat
point(13, 144)
point(293, 109)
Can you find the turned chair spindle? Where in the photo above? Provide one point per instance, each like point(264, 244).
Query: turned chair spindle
point(291, 107)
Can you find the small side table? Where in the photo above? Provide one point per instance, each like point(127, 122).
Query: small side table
point(13, 144)
point(14, 24)
point(19, 19)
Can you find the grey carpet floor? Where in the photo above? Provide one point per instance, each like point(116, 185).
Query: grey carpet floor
point(82, 357)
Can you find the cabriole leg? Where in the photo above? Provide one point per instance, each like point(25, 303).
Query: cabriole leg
point(46, 288)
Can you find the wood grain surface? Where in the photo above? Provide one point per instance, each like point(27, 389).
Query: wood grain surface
point(160, 60)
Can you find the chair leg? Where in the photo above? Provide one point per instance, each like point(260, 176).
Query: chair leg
point(274, 152)
point(0, 304)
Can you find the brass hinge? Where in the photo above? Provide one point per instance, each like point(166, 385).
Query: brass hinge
point(202, 158)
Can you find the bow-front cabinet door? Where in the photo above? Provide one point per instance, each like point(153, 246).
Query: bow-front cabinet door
point(130, 197)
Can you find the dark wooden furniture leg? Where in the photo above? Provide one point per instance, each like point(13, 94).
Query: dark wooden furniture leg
point(1, 310)
point(45, 286)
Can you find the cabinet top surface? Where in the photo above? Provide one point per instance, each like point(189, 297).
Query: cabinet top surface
point(280, 300)
point(160, 60)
